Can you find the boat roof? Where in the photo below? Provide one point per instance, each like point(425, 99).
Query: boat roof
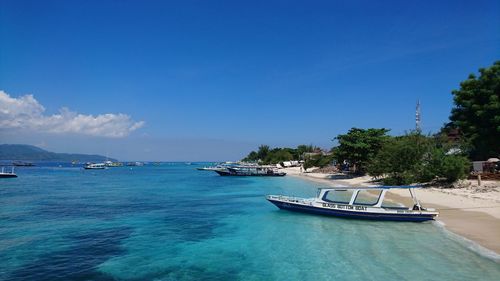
point(373, 187)
point(253, 166)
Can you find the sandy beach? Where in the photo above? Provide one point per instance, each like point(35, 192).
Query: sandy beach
point(470, 211)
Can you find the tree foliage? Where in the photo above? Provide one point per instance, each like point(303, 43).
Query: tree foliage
point(416, 158)
point(301, 149)
point(266, 155)
point(263, 151)
point(358, 146)
point(477, 112)
point(319, 160)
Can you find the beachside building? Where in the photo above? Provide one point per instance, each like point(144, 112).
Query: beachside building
point(293, 163)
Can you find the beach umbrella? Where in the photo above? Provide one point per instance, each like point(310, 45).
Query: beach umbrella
point(493, 160)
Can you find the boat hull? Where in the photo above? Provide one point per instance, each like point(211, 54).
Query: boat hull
point(350, 214)
point(8, 176)
point(227, 173)
point(23, 164)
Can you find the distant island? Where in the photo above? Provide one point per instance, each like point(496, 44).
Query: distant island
point(32, 153)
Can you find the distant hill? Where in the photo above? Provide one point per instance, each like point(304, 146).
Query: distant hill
point(32, 153)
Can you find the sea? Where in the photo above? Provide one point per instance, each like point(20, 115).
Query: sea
point(173, 222)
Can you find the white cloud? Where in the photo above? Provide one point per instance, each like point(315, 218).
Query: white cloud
point(27, 113)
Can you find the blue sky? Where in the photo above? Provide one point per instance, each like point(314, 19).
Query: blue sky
point(214, 79)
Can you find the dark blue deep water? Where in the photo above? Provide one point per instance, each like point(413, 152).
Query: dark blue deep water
point(171, 222)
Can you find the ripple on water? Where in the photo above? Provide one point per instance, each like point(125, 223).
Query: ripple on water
point(88, 249)
point(174, 223)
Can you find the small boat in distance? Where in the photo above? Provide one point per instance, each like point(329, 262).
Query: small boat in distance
point(133, 164)
point(94, 166)
point(357, 203)
point(22, 164)
point(4, 174)
point(113, 164)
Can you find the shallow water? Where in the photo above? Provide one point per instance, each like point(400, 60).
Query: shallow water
point(171, 222)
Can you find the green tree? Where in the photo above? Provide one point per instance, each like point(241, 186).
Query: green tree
point(301, 149)
point(266, 155)
point(358, 146)
point(454, 167)
point(477, 112)
point(415, 158)
point(251, 157)
point(263, 152)
point(278, 155)
point(399, 159)
point(318, 161)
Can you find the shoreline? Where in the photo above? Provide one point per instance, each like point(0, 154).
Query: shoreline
point(471, 212)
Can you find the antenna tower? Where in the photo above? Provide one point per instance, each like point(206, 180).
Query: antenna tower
point(417, 118)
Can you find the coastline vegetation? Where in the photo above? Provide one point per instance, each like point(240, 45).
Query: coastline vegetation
point(415, 158)
point(473, 133)
point(476, 115)
point(266, 155)
point(319, 160)
point(359, 146)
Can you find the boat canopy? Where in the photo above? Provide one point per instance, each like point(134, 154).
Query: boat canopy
point(371, 187)
point(351, 198)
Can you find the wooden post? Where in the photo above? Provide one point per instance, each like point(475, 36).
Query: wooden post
point(479, 179)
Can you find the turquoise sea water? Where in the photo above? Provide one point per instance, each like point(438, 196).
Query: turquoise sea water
point(171, 222)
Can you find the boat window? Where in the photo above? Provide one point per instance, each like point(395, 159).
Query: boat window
point(367, 197)
point(394, 200)
point(338, 196)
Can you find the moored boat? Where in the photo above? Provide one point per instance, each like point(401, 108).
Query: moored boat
point(5, 174)
point(262, 171)
point(222, 166)
point(135, 164)
point(358, 203)
point(215, 168)
point(22, 164)
point(94, 166)
point(113, 164)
